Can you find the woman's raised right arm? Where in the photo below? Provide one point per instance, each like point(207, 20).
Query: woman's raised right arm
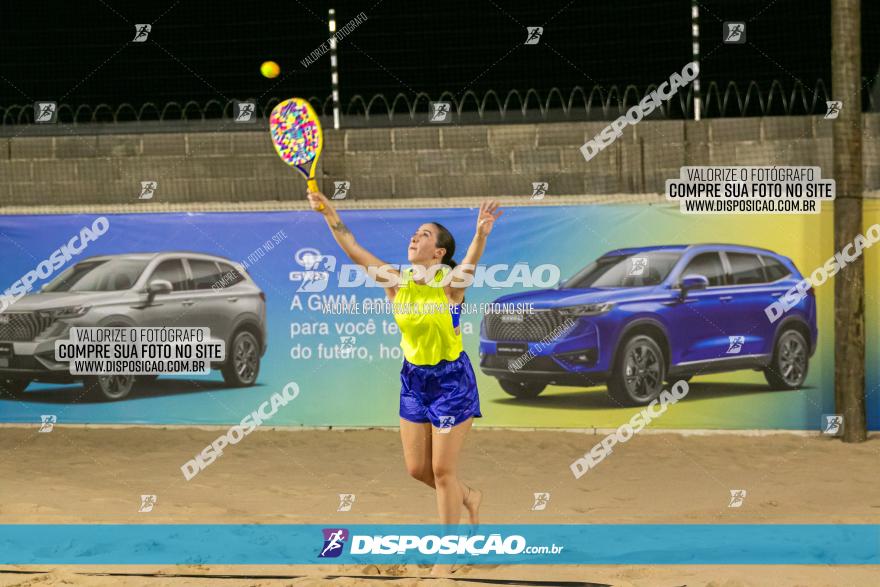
point(352, 248)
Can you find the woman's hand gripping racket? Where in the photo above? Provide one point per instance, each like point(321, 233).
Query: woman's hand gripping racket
point(296, 134)
point(319, 203)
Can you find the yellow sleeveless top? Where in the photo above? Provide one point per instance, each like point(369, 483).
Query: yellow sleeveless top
point(422, 312)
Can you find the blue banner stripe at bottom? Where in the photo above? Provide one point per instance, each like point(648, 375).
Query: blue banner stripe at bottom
point(295, 544)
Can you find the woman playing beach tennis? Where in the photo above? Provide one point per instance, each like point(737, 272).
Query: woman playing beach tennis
point(438, 395)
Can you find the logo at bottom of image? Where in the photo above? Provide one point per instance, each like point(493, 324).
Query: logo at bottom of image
point(334, 540)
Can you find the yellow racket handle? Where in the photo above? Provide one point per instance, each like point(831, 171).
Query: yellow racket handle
point(313, 187)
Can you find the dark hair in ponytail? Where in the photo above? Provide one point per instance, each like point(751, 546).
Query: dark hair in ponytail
point(445, 240)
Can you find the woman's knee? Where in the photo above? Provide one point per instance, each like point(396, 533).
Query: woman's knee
point(420, 473)
point(443, 473)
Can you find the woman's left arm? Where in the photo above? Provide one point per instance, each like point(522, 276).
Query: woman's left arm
point(485, 221)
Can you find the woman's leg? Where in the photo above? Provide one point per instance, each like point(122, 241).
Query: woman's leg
point(451, 493)
point(416, 440)
point(417, 451)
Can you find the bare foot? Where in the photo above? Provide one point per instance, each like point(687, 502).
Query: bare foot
point(472, 502)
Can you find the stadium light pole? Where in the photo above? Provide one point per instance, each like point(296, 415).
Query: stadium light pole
point(334, 70)
point(849, 287)
point(695, 52)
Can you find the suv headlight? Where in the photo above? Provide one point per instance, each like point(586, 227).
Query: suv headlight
point(62, 313)
point(587, 309)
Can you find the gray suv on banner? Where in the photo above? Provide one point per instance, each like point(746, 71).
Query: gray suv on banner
point(144, 289)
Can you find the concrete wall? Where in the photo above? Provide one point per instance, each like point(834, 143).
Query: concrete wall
point(436, 161)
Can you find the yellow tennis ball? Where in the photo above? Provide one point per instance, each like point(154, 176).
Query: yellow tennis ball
point(270, 69)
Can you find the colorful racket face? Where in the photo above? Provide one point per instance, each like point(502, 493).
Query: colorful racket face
point(296, 134)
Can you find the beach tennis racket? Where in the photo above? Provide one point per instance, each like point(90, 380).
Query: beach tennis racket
point(296, 134)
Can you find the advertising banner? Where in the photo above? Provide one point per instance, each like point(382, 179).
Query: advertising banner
point(565, 299)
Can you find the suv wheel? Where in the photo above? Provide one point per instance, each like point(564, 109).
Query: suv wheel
point(637, 377)
point(109, 387)
point(13, 388)
point(243, 363)
point(522, 389)
point(788, 368)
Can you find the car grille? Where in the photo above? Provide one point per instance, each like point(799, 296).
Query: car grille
point(540, 363)
point(534, 327)
point(22, 326)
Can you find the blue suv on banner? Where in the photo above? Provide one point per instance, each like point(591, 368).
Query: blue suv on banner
point(638, 317)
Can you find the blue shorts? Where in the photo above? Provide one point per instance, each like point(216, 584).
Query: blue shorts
point(444, 394)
